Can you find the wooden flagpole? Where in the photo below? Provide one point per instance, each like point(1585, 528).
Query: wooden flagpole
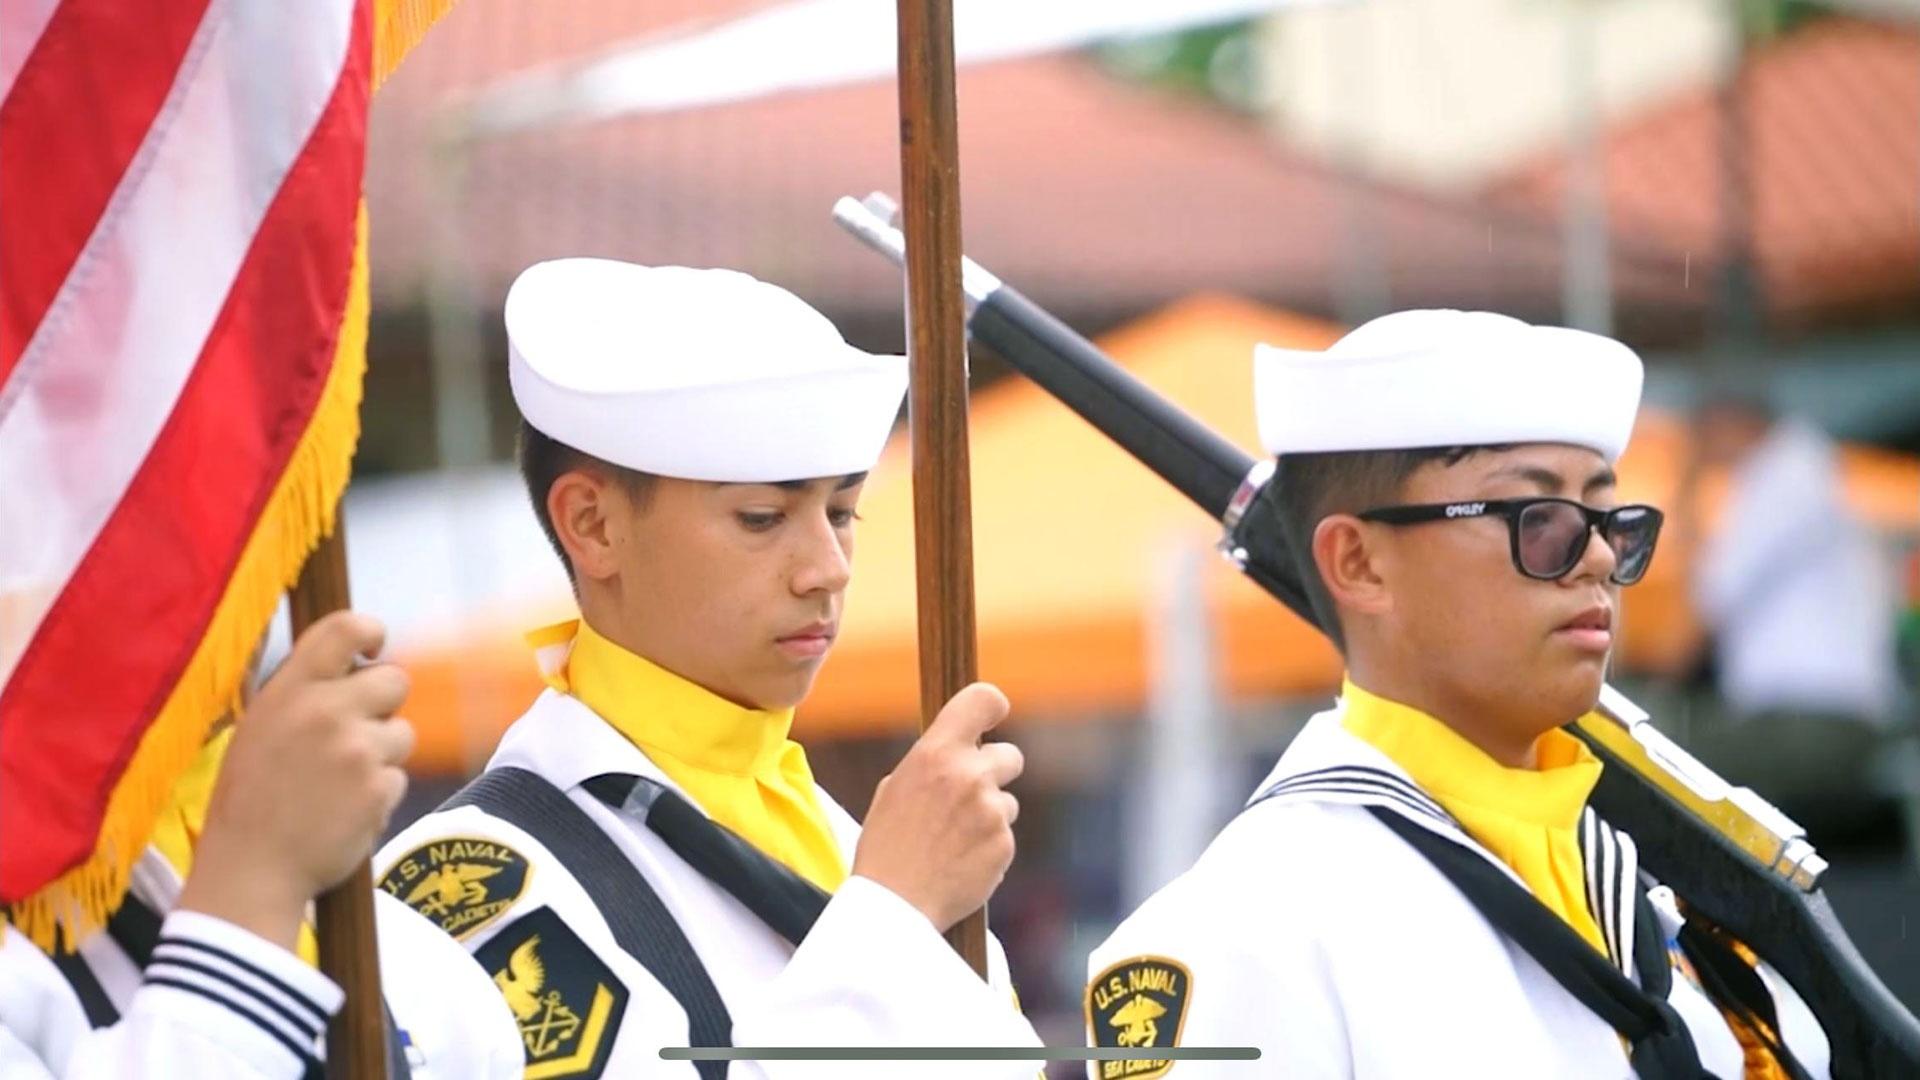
point(343, 916)
point(937, 360)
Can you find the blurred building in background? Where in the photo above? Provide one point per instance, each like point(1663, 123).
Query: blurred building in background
point(1733, 188)
point(1385, 86)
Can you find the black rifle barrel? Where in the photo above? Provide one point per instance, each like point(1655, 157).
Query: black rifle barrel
point(1185, 453)
point(1218, 476)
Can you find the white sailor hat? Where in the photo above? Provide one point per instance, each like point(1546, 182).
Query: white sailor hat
point(1419, 379)
point(696, 374)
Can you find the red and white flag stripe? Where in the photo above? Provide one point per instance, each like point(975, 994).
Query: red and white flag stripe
point(179, 182)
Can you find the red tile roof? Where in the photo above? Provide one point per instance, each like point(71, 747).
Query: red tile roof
point(1094, 195)
point(1834, 114)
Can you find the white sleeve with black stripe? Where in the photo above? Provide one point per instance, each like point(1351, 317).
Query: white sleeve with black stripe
point(217, 1001)
point(220, 1001)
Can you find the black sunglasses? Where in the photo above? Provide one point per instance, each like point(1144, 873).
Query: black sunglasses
point(1549, 536)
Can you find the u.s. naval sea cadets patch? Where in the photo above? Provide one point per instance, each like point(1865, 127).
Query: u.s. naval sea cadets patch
point(1138, 1004)
point(461, 883)
point(567, 1002)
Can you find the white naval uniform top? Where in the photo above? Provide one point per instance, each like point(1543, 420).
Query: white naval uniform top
point(1310, 930)
point(873, 971)
point(219, 1001)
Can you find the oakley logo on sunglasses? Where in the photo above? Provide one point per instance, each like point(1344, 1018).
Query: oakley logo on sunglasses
point(1460, 510)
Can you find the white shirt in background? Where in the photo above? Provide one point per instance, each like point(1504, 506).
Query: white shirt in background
point(1794, 588)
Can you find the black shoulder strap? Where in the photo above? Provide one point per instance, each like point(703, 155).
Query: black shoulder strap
point(1650, 960)
point(788, 903)
point(135, 928)
point(639, 920)
point(86, 986)
point(1661, 1045)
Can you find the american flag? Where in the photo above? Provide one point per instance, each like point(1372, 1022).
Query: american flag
point(183, 310)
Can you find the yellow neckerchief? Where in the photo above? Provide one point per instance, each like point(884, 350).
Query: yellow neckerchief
point(737, 763)
point(177, 831)
point(1528, 818)
point(178, 828)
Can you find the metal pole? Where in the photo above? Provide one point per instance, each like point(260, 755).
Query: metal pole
point(1586, 286)
point(462, 413)
point(1178, 812)
point(1361, 289)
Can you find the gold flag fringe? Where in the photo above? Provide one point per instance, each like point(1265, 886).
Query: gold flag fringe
point(398, 25)
point(300, 511)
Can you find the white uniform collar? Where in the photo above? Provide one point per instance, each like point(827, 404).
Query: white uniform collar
point(1327, 764)
point(561, 740)
point(565, 743)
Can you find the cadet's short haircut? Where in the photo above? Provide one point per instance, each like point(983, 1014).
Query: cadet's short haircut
point(1314, 487)
point(543, 460)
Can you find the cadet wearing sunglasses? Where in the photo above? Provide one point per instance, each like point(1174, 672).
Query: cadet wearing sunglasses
point(1419, 888)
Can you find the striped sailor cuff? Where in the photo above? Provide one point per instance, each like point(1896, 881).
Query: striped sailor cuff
point(257, 999)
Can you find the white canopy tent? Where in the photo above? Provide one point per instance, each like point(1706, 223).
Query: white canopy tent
point(808, 44)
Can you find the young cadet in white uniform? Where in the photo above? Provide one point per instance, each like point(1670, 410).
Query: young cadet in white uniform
point(1395, 894)
point(206, 979)
point(694, 445)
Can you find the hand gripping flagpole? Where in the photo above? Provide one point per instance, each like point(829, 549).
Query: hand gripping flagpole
point(937, 362)
point(343, 916)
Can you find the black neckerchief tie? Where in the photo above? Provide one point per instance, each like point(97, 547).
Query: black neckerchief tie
point(1660, 1047)
point(785, 901)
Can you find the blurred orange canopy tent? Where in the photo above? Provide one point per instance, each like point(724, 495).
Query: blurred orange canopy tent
point(1071, 538)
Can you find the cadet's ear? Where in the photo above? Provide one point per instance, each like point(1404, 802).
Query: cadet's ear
point(1348, 565)
point(581, 505)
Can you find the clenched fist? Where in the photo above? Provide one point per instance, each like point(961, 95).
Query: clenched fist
point(307, 787)
point(940, 832)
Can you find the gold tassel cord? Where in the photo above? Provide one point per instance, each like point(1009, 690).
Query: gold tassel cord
point(398, 25)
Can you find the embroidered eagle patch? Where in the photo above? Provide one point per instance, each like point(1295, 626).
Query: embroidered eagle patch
point(1137, 1004)
point(566, 1000)
point(461, 883)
